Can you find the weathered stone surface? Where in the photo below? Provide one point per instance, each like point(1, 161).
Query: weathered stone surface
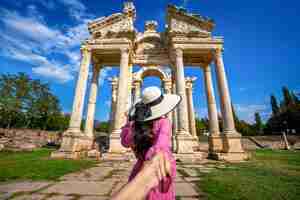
point(80, 188)
point(94, 198)
point(93, 174)
point(30, 197)
point(185, 189)
point(191, 172)
point(1, 147)
point(23, 186)
point(60, 197)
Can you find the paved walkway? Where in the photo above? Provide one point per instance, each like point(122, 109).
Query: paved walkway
point(100, 182)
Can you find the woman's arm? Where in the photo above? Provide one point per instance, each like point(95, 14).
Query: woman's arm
point(152, 172)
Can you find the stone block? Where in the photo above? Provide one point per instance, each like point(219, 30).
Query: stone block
point(185, 190)
point(81, 188)
point(23, 186)
point(30, 197)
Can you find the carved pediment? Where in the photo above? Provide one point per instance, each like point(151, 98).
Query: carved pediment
point(182, 23)
point(114, 26)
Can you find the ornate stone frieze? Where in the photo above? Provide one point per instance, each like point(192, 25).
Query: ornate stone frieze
point(116, 25)
point(182, 23)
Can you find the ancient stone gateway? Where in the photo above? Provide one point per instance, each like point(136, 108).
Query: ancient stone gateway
point(186, 41)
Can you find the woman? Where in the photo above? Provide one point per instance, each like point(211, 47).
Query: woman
point(148, 132)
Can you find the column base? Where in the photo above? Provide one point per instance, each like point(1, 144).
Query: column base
point(229, 157)
point(215, 142)
point(190, 158)
point(232, 142)
point(115, 145)
point(184, 143)
point(74, 146)
point(231, 151)
point(196, 143)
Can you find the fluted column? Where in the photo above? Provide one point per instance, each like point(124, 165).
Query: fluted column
point(232, 139)
point(89, 124)
point(174, 121)
point(211, 102)
point(190, 102)
point(78, 102)
point(215, 139)
point(114, 88)
point(115, 144)
point(137, 85)
point(228, 121)
point(184, 139)
point(167, 84)
point(129, 89)
point(183, 125)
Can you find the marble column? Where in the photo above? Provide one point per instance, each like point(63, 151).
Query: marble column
point(190, 102)
point(232, 139)
point(78, 102)
point(167, 85)
point(174, 121)
point(74, 143)
point(129, 89)
point(137, 85)
point(115, 143)
point(114, 88)
point(184, 139)
point(89, 123)
point(215, 140)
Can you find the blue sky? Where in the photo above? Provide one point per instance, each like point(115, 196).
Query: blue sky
point(42, 38)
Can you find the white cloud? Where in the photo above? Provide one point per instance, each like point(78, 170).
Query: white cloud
point(61, 74)
point(246, 112)
point(29, 39)
point(104, 73)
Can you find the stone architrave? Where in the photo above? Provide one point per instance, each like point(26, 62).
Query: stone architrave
point(232, 139)
point(120, 120)
point(89, 124)
point(184, 139)
point(215, 139)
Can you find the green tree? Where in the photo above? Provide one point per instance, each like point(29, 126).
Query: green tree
point(295, 98)
point(274, 105)
point(27, 103)
point(258, 126)
point(287, 97)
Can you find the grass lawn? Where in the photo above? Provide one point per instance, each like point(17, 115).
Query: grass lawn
point(37, 165)
point(269, 175)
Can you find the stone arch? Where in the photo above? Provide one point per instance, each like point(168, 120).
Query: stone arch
point(151, 71)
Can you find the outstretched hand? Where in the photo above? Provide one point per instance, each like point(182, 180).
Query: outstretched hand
point(151, 174)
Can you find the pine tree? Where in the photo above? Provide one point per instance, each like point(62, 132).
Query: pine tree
point(287, 97)
point(274, 105)
point(295, 98)
point(258, 122)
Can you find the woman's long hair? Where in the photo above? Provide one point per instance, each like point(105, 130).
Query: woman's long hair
point(143, 137)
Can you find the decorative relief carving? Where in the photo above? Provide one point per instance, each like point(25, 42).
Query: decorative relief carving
point(182, 27)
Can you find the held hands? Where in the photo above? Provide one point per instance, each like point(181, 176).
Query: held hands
point(156, 169)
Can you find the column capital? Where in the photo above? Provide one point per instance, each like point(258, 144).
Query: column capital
point(178, 52)
point(124, 50)
point(218, 52)
point(85, 49)
point(207, 68)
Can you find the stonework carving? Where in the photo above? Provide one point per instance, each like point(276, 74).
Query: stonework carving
point(186, 41)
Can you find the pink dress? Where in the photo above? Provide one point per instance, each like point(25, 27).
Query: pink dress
point(162, 143)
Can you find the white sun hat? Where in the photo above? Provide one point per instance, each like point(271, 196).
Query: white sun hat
point(153, 104)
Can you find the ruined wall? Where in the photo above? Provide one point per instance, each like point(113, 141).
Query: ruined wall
point(27, 139)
